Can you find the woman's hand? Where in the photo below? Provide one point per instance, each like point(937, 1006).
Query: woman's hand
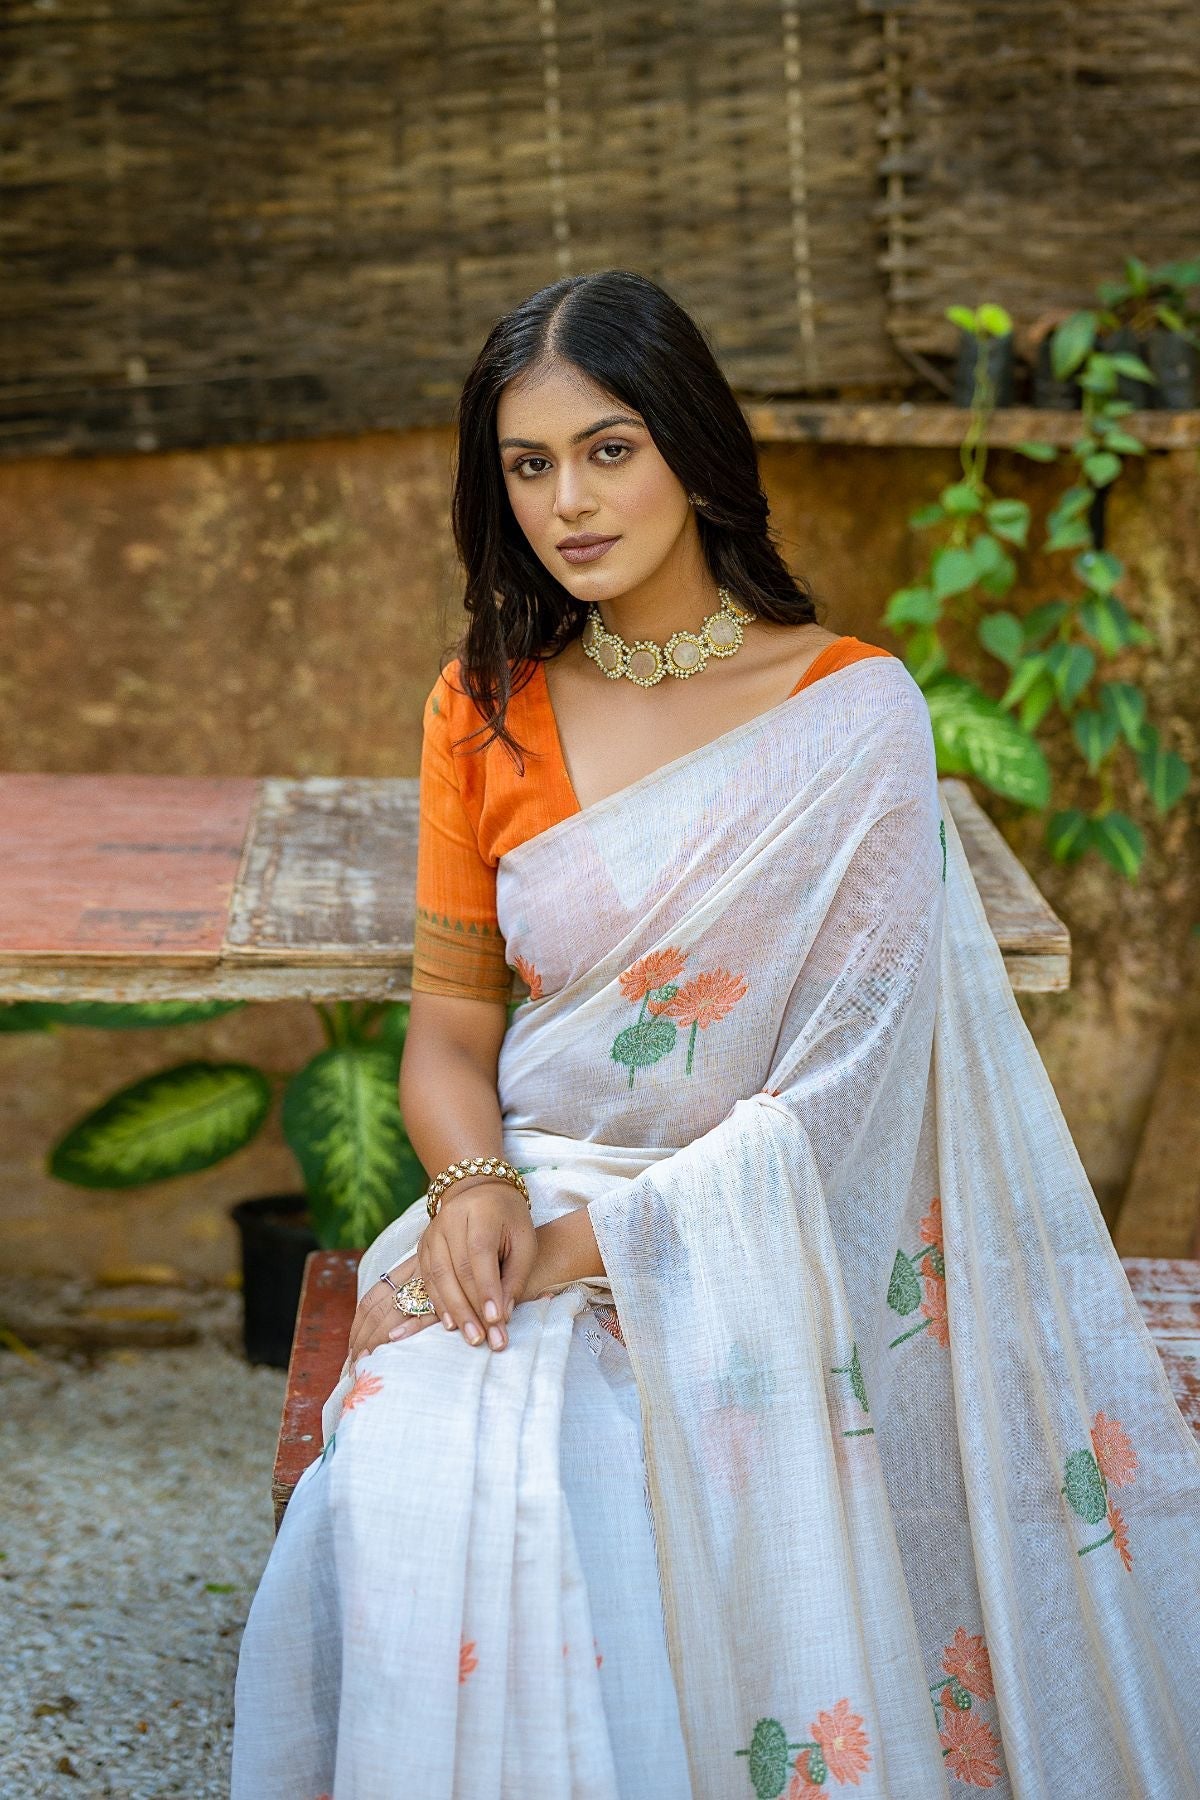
point(475, 1259)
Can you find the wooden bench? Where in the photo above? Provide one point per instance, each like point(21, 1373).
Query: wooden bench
point(1168, 1293)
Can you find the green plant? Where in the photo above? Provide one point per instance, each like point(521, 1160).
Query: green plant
point(1051, 653)
point(340, 1113)
point(1148, 297)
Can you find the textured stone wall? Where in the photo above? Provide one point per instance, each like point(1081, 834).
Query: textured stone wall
point(280, 611)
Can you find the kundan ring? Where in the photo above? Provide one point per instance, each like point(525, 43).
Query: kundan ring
point(412, 1298)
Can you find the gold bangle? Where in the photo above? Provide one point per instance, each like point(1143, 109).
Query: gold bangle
point(495, 1166)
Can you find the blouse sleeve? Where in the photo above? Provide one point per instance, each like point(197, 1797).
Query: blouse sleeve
point(457, 945)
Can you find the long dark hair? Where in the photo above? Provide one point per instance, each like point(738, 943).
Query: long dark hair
point(641, 347)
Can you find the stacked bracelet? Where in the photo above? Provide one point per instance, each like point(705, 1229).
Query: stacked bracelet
point(477, 1165)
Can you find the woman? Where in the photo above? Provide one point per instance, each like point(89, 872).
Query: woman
point(871, 1476)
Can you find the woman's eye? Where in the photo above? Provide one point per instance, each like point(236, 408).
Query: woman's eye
point(521, 466)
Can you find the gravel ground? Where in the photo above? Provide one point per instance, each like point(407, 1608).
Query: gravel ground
point(135, 1520)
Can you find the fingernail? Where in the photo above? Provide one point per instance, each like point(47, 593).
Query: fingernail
point(397, 1331)
point(496, 1338)
point(473, 1332)
point(447, 1321)
point(490, 1311)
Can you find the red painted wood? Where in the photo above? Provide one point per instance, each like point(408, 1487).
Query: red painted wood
point(328, 1301)
point(1168, 1292)
point(98, 865)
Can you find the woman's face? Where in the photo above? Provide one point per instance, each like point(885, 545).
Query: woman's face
point(577, 463)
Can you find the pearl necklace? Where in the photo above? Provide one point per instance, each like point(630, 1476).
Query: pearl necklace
point(684, 654)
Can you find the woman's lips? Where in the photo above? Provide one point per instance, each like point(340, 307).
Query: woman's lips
point(587, 552)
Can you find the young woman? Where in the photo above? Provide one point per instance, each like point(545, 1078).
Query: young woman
point(757, 1405)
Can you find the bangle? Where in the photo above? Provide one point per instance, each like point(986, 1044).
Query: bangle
point(476, 1165)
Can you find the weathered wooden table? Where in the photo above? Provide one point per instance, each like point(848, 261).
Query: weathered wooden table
point(1168, 1293)
point(151, 887)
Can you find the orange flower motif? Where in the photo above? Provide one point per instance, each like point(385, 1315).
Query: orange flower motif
point(971, 1749)
point(599, 1658)
point(1114, 1452)
point(651, 971)
point(704, 999)
point(802, 1782)
point(467, 1662)
point(966, 1658)
point(366, 1385)
point(608, 1317)
point(1120, 1535)
point(843, 1742)
point(529, 976)
point(934, 1308)
point(931, 1225)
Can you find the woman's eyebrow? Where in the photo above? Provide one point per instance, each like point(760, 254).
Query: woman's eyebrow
point(589, 431)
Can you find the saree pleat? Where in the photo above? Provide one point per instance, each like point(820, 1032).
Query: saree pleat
point(878, 1482)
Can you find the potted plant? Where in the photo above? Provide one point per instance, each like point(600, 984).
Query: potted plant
point(1151, 314)
point(340, 1116)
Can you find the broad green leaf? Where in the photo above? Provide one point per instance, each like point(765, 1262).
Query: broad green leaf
point(1127, 705)
point(1102, 468)
point(1001, 633)
point(1134, 367)
point(961, 498)
point(1009, 519)
point(974, 736)
point(1044, 618)
point(912, 606)
point(1071, 342)
point(926, 516)
point(1027, 671)
point(134, 1015)
point(904, 1288)
point(1072, 666)
point(172, 1123)
point(1067, 834)
point(394, 1027)
point(1036, 703)
point(768, 1761)
point(1095, 733)
point(1043, 453)
point(994, 319)
point(24, 1015)
point(1084, 1486)
point(953, 571)
point(1099, 569)
point(1166, 775)
point(341, 1119)
point(1105, 619)
point(1119, 841)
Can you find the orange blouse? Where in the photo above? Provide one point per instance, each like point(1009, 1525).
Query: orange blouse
point(475, 807)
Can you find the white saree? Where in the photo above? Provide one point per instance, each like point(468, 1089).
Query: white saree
point(878, 1482)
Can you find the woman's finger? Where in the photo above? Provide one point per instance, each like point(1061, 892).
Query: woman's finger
point(373, 1307)
point(446, 1293)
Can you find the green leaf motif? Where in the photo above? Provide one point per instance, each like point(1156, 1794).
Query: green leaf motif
point(1084, 1487)
point(341, 1119)
point(975, 736)
point(172, 1123)
point(904, 1288)
point(857, 1384)
point(768, 1759)
point(647, 1042)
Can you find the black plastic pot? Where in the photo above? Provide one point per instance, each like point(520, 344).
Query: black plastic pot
point(999, 367)
point(276, 1236)
point(1176, 362)
point(1049, 392)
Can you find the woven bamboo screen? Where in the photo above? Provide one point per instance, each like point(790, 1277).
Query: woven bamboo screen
point(1029, 148)
point(270, 218)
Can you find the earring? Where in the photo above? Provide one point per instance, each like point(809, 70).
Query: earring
point(696, 500)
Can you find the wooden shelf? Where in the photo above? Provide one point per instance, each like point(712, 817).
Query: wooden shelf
point(944, 427)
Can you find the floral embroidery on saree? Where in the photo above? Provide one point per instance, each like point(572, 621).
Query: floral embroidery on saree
point(912, 1285)
point(466, 1660)
point(529, 976)
point(858, 1388)
point(1088, 1473)
point(969, 1745)
point(704, 1000)
point(838, 1747)
point(366, 1385)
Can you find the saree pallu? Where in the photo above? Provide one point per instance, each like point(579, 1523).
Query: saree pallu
point(874, 1478)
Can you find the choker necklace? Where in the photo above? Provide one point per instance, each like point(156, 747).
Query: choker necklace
point(684, 654)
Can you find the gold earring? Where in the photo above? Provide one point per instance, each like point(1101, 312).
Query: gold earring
point(696, 500)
